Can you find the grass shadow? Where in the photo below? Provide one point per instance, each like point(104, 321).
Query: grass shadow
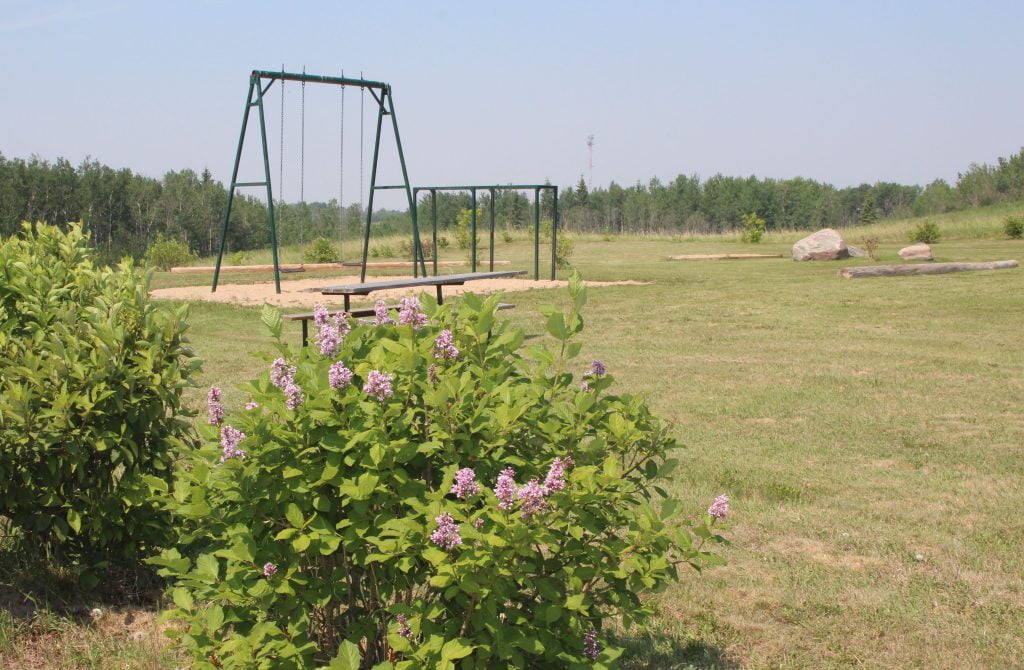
point(647, 651)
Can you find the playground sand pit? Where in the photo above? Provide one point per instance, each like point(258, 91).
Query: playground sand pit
point(303, 292)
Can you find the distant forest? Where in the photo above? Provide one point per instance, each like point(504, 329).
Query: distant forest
point(124, 211)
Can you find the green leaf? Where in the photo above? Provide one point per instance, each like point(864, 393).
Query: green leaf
point(214, 619)
point(294, 515)
point(455, 649)
point(74, 520)
point(556, 326)
point(208, 566)
point(182, 598)
point(271, 318)
point(348, 657)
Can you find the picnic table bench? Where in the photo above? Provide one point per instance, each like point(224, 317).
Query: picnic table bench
point(349, 290)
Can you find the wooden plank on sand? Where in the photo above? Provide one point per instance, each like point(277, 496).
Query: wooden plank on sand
point(922, 269)
point(721, 257)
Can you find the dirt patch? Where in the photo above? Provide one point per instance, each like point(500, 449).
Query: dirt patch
point(303, 292)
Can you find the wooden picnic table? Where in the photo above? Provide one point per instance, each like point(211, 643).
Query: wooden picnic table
point(349, 290)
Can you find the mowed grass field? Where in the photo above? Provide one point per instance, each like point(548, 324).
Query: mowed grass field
point(869, 433)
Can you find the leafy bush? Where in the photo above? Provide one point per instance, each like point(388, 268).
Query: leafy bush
point(416, 496)
point(382, 251)
point(753, 228)
point(507, 237)
point(871, 247)
point(91, 380)
point(165, 253)
point(405, 248)
point(926, 231)
point(443, 242)
point(238, 258)
point(563, 251)
point(321, 250)
point(1013, 226)
point(464, 227)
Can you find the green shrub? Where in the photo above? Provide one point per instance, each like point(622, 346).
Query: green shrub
point(350, 529)
point(382, 251)
point(507, 237)
point(871, 247)
point(926, 231)
point(238, 258)
point(165, 253)
point(321, 250)
point(753, 228)
point(443, 242)
point(1013, 226)
point(405, 248)
point(91, 380)
point(563, 251)
point(464, 227)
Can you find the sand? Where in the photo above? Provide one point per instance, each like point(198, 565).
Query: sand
point(303, 293)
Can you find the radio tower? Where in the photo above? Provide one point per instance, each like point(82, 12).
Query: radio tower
point(590, 161)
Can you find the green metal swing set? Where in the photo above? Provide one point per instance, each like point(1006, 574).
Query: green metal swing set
point(383, 96)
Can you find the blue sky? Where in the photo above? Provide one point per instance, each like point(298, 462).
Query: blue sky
point(485, 92)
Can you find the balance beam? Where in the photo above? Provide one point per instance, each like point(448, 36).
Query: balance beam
point(922, 269)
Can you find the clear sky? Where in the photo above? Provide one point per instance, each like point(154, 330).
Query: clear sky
point(844, 92)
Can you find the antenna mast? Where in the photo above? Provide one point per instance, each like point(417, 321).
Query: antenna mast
point(590, 161)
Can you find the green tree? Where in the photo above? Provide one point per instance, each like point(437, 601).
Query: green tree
point(868, 214)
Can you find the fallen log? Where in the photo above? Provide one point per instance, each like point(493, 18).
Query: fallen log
point(721, 257)
point(922, 269)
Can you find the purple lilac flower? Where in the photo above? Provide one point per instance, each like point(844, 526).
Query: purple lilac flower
point(320, 314)
point(269, 570)
point(338, 376)
point(410, 314)
point(281, 373)
point(479, 523)
point(720, 508)
point(293, 395)
point(465, 484)
point(446, 535)
point(432, 375)
point(444, 349)
point(229, 441)
point(597, 369)
point(532, 496)
point(555, 479)
point(378, 384)
point(252, 404)
point(380, 311)
point(215, 406)
point(591, 649)
point(403, 627)
point(505, 489)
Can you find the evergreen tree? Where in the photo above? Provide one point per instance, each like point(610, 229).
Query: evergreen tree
point(868, 212)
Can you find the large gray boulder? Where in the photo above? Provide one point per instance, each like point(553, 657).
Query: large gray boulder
point(824, 245)
point(917, 252)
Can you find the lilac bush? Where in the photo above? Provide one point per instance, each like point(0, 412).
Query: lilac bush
point(435, 500)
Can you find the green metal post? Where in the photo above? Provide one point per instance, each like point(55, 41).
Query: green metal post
point(373, 183)
point(536, 233)
point(231, 191)
point(491, 266)
point(433, 218)
point(270, 193)
point(554, 232)
point(417, 250)
point(472, 230)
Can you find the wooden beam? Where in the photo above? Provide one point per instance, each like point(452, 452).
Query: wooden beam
point(922, 269)
point(721, 257)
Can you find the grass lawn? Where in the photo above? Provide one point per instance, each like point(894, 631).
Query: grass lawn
point(869, 433)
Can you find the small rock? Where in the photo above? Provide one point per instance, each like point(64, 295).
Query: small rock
point(916, 252)
point(824, 245)
point(918, 557)
point(855, 252)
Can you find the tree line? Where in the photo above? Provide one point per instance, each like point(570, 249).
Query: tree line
point(124, 211)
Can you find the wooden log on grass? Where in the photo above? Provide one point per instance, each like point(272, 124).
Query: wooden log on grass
point(922, 269)
point(721, 257)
